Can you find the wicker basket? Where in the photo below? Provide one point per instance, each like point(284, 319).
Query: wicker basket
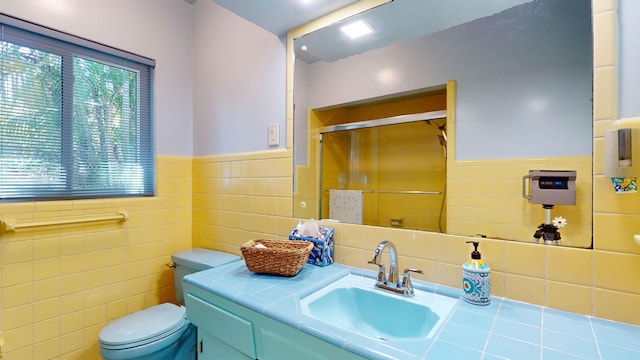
point(280, 257)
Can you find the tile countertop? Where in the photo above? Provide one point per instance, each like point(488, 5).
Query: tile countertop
point(505, 329)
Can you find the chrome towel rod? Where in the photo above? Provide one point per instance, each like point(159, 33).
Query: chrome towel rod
point(11, 225)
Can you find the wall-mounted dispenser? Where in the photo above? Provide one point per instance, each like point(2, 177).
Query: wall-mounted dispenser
point(549, 188)
point(622, 153)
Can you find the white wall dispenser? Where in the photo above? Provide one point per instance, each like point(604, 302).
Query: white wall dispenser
point(622, 158)
point(549, 188)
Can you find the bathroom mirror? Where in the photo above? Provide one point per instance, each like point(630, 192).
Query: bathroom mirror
point(515, 79)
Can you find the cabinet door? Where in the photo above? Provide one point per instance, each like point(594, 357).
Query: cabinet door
point(212, 348)
point(228, 328)
point(285, 344)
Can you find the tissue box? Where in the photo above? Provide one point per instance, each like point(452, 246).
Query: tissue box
point(322, 252)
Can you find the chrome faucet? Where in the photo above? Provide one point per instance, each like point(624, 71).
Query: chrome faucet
point(391, 281)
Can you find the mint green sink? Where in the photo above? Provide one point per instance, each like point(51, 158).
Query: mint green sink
point(354, 304)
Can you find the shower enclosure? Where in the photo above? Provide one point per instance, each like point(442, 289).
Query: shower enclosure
point(397, 165)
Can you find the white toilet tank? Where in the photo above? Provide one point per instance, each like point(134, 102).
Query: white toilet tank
point(194, 260)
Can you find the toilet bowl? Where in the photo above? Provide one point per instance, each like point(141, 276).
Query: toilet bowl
point(161, 332)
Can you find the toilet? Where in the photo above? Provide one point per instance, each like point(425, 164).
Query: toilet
point(161, 332)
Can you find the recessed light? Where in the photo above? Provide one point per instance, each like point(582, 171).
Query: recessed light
point(303, 47)
point(356, 29)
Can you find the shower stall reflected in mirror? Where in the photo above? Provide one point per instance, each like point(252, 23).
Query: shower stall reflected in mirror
point(386, 175)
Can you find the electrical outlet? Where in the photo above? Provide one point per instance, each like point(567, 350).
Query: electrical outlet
point(274, 134)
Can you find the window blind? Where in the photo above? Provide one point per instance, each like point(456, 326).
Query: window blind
point(75, 117)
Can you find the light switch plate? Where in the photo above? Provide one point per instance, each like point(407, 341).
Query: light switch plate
point(274, 134)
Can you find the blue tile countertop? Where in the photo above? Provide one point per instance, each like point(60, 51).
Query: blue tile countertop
point(505, 329)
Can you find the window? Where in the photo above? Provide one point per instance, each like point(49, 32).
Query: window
point(75, 117)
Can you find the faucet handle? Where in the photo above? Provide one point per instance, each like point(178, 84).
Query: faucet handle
point(406, 277)
point(381, 271)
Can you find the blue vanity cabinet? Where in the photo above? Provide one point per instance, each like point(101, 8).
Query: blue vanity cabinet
point(221, 334)
point(230, 331)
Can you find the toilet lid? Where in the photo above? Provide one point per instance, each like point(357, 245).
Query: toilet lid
point(202, 259)
point(144, 325)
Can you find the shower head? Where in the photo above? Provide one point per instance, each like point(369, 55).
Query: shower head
point(443, 140)
point(443, 134)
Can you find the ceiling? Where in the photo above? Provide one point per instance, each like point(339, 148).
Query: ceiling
point(280, 16)
point(396, 21)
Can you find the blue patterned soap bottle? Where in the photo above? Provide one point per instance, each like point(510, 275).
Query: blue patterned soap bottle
point(475, 279)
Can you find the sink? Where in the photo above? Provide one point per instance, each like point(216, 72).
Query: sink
point(354, 304)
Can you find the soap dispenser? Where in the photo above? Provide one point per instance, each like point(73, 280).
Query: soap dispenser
point(476, 285)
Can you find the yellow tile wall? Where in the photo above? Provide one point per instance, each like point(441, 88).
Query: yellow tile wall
point(485, 197)
point(60, 285)
point(241, 197)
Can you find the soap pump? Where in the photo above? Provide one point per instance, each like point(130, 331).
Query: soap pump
point(476, 285)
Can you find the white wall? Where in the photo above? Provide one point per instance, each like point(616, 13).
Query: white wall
point(239, 84)
point(157, 29)
point(524, 87)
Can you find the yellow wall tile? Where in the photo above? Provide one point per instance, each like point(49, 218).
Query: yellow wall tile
point(71, 342)
point(43, 350)
point(569, 297)
point(46, 310)
point(424, 246)
point(429, 269)
point(15, 274)
point(16, 317)
point(605, 101)
point(455, 250)
point(16, 252)
point(16, 340)
point(498, 283)
point(45, 330)
point(71, 322)
point(71, 303)
point(616, 305)
point(16, 295)
point(524, 288)
point(614, 232)
point(525, 259)
point(617, 271)
point(605, 39)
point(450, 275)
point(574, 266)
point(46, 289)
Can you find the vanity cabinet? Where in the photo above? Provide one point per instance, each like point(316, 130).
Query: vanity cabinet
point(227, 330)
point(221, 334)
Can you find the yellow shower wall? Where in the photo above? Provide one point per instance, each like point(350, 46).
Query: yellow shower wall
point(485, 197)
point(60, 285)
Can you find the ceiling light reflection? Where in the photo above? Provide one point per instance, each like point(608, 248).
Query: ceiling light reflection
point(356, 29)
point(387, 76)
